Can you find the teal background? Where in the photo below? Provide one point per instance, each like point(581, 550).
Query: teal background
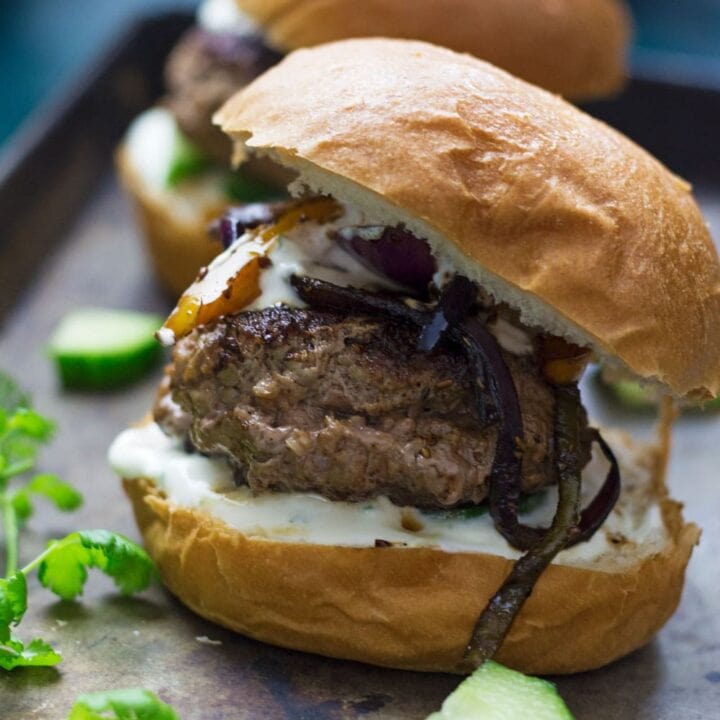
point(47, 44)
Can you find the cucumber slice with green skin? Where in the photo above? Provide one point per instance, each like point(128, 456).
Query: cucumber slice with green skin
point(187, 161)
point(494, 692)
point(99, 349)
point(632, 395)
point(635, 397)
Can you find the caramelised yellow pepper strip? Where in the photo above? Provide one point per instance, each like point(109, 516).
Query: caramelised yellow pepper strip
point(232, 281)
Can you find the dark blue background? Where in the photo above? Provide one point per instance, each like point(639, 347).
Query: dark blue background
point(45, 44)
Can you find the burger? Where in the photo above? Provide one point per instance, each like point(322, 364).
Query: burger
point(370, 443)
point(173, 161)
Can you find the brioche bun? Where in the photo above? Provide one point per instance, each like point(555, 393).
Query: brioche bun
point(174, 224)
point(572, 47)
point(552, 211)
point(415, 607)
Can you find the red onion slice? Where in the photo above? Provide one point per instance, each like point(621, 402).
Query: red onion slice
point(393, 252)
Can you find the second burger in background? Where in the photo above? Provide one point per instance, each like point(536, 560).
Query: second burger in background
point(173, 161)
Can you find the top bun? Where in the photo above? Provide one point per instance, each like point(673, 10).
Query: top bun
point(552, 211)
point(572, 47)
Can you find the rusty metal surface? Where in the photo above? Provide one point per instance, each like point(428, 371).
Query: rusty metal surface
point(210, 674)
point(153, 641)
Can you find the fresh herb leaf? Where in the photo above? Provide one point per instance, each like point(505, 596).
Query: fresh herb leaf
point(130, 704)
point(30, 424)
point(64, 565)
point(23, 508)
point(60, 493)
point(17, 449)
point(13, 603)
point(12, 396)
point(14, 653)
point(63, 569)
point(22, 430)
point(466, 513)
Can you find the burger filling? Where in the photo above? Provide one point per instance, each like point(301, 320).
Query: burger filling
point(323, 354)
point(347, 406)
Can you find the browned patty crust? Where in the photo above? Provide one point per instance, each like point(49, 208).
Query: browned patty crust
point(348, 407)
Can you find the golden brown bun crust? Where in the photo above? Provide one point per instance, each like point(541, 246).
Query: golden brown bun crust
point(557, 207)
point(178, 247)
point(572, 47)
point(411, 608)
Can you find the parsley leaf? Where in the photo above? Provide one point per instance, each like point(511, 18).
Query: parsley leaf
point(14, 653)
point(130, 704)
point(12, 396)
point(13, 602)
point(63, 568)
point(31, 424)
point(63, 495)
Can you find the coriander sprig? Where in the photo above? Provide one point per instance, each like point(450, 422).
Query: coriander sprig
point(63, 566)
point(129, 704)
point(22, 432)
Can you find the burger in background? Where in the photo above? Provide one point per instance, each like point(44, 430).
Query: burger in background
point(173, 161)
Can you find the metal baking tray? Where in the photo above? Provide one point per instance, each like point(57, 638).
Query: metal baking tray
point(68, 240)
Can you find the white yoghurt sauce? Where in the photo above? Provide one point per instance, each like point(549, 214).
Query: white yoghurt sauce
point(195, 481)
point(224, 16)
point(309, 250)
point(150, 143)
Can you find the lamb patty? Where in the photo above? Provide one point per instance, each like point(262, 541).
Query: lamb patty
point(202, 72)
point(347, 407)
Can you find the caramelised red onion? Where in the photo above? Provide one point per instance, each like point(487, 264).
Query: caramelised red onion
point(504, 488)
point(450, 316)
point(455, 303)
point(498, 616)
point(247, 51)
point(493, 377)
point(594, 515)
point(237, 219)
point(327, 296)
point(393, 252)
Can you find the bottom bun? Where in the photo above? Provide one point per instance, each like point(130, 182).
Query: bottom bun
point(175, 223)
point(414, 607)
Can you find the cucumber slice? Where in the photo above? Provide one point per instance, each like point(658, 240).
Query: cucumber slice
point(99, 349)
point(186, 161)
point(494, 692)
point(634, 396)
